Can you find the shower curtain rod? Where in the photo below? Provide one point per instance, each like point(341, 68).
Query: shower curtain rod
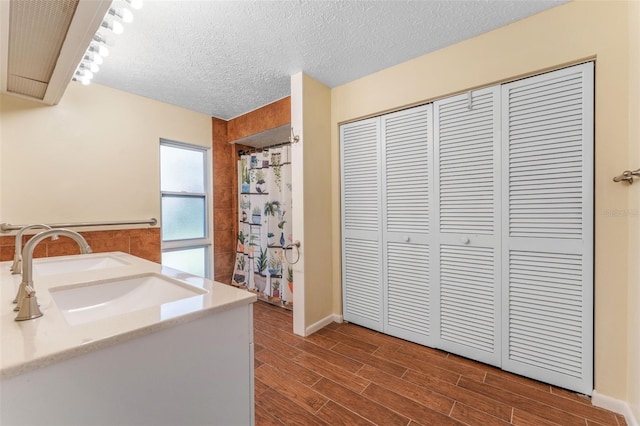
point(263, 148)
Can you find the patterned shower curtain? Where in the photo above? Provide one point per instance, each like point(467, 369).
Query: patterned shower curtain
point(264, 183)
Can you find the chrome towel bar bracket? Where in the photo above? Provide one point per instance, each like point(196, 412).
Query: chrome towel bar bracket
point(627, 176)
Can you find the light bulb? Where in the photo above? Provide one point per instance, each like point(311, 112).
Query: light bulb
point(127, 15)
point(117, 27)
point(114, 26)
point(124, 14)
point(99, 38)
point(83, 76)
point(136, 4)
point(88, 65)
point(97, 59)
point(99, 49)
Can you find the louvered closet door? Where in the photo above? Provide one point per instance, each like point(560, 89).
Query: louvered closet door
point(467, 241)
point(361, 224)
point(548, 227)
point(407, 139)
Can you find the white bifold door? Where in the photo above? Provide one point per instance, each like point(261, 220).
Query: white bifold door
point(467, 241)
point(386, 173)
point(361, 223)
point(467, 225)
point(407, 248)
point(547, 227)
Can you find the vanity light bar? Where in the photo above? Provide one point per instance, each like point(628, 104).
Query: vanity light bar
point(97, 49)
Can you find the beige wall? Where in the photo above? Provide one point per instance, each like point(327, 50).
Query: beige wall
point(563, 35)
point(634, 209)
point(317, 199)
point(93, 157)
point(311, 177)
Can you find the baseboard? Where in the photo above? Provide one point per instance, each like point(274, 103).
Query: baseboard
point(322, 323)
point(615, 405)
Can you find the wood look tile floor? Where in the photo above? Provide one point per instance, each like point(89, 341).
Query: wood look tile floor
point(349, 375)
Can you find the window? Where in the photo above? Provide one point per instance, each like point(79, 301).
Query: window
point(184, 192)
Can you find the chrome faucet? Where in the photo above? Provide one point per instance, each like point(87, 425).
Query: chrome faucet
point(16, 267)
point(26, 298)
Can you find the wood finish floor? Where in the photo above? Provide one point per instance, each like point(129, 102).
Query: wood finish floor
point(349, 375)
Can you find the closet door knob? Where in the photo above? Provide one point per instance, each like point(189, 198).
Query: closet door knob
point(407, 239)
point(465, 240)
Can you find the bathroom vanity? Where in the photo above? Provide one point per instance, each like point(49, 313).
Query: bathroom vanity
point(125, 341)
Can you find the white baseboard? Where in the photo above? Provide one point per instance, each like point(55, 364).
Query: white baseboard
point(322, 323)
point(615, 405)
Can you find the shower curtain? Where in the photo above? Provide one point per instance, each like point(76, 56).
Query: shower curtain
point(264, 232)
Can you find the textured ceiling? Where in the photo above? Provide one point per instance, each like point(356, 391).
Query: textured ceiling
point(225, 58)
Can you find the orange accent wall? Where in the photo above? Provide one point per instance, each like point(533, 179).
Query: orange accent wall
point(225, 199)
point(142, 242)
point(268, 117)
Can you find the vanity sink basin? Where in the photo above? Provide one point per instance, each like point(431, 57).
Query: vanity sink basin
point(53, 266)
point(83, 303)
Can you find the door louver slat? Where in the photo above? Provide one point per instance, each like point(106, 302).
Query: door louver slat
point(466, 137)
point(362, 279)
point(407, 183)
point(360, 163)
point(469, 296)
point(551, 336)
point(408, 287)
point(529, 101)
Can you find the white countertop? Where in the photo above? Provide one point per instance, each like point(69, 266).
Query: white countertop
point(27, 345)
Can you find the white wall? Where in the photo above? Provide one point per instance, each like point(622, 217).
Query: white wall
point(93, 157)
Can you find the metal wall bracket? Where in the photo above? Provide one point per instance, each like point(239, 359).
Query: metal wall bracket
point(627, 176)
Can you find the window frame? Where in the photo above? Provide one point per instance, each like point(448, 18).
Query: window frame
point(205, 242)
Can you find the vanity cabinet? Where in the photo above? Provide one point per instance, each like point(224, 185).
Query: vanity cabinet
point(176, 350)
point(194, 373)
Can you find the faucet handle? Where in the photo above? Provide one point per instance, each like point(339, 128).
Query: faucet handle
point(29, 308)
point(20, 295)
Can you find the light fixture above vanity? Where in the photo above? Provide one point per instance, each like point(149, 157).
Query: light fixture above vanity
point(97, 50)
